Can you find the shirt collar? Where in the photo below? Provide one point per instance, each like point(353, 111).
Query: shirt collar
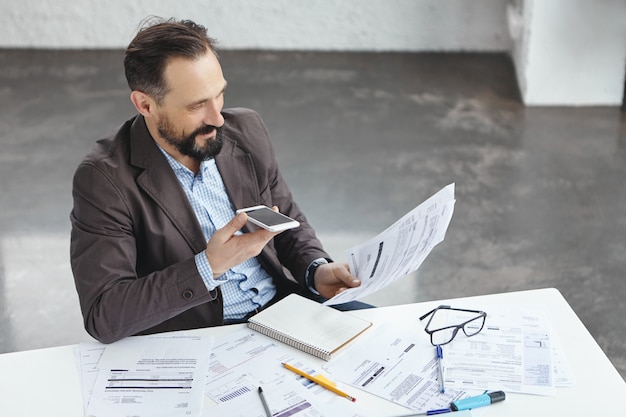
point(184, 174)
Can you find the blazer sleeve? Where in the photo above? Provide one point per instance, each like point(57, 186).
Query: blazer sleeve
point(116, 299)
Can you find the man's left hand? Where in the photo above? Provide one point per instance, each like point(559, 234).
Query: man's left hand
point(332, 278)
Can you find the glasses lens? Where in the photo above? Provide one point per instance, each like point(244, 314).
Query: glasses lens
point(443, 336)
point(475, 326)
point(440, 319)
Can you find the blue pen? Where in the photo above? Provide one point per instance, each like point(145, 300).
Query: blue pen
point(431, 412)
point(442, 387)
point(441, 411)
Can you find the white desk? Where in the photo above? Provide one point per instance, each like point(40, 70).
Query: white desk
point(45, 381)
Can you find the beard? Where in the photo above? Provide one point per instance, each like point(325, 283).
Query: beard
point(186, 144)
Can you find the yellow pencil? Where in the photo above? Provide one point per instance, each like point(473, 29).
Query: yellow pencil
point(319, 381)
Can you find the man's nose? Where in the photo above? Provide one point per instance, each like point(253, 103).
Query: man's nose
point(213, 115)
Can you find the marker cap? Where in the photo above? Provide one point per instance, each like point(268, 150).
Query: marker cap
point(497, 396)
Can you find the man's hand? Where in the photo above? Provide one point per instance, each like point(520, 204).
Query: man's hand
point(333, 278)
point(225, 249)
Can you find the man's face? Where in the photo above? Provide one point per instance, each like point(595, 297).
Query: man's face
point(189, 118)
point(187, 144)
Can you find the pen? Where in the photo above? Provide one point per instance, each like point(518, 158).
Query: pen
point(434, 412)
point(431, 412)
point(319, 382)
point(268, 413)
point(442, 387)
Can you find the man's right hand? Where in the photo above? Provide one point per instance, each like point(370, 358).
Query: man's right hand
point(225, 249)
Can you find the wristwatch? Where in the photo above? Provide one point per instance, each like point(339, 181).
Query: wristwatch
point(310, 273)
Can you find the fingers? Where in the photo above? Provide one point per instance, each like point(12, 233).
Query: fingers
point(339, 275)
point(232, 227)
point(227, 232)
point(333, 278)
point(344, 275)
point(256, 240)
point(226, 248)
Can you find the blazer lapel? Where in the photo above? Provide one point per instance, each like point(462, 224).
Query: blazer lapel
point(238, 174)
point(160, 183)
point(240, 179)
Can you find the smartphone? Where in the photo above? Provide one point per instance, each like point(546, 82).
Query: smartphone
point(268, 219)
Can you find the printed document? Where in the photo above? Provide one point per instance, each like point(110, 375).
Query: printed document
point(401, 248)
point(397, 365)
point(285, 399)
point(87, 356)
point(512, 353)
point(158, 375)
point(244, 360)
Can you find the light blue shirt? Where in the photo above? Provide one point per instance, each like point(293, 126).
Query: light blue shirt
point(246, 286)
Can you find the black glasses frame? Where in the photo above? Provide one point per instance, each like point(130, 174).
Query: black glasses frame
point(455, 327)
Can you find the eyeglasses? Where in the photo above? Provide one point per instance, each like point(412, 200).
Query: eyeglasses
point(442, 333)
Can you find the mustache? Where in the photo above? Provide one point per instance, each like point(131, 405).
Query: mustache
point(203, 130)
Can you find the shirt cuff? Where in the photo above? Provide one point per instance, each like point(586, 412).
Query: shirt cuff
point(206, 272)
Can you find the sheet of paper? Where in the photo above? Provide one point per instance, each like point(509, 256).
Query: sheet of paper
point(285, 399)
point(87, 355)
point(240, 362)
point(401, 248)
point(513, 353)
point(159, 375)
point(563, 375)
point(397, 365)
point(244, 360)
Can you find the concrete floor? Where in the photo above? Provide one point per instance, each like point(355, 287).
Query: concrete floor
point(362, 139)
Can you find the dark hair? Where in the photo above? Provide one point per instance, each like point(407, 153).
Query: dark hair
point(157, 42)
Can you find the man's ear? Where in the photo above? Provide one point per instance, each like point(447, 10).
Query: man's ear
point(143, 103)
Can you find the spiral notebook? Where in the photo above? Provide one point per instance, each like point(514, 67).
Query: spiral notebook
point(309, 326)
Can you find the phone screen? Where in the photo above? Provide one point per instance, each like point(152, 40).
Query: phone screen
point(268, 216)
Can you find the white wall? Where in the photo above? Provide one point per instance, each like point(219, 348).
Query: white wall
point(345, 25)
point(569, 52)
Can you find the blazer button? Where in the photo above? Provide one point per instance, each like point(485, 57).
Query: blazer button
point(187, 294)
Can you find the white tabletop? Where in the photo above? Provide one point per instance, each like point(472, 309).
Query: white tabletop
point(46, 381)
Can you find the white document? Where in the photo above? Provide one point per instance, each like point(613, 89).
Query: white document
point(159, 375)
point(244, 360)
point(284, 399)
point(513, 353)
point(396, 365)
point(87, 357)
point(563, 375)
point(401, 248)
point(232, 371)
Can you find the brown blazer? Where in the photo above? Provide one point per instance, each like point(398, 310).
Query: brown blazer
point(134, 233)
